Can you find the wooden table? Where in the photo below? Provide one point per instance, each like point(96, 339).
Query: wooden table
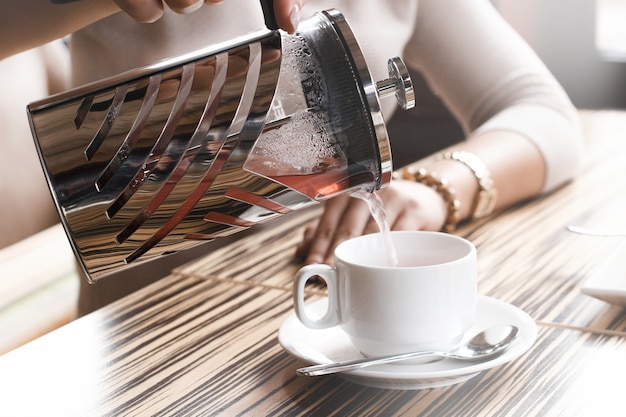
point(203, 341)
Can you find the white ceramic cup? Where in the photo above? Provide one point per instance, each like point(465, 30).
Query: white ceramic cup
point(427, 301)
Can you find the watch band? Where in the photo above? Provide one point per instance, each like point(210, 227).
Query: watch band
point(485, 200)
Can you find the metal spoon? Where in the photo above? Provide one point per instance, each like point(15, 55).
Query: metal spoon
point(486, 344)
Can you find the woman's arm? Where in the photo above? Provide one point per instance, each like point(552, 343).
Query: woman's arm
point(518, 121)
point(499, 90)
point(26, 24)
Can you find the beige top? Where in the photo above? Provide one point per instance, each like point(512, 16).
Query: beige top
point(482, 70)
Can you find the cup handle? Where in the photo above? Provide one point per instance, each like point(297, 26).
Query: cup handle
point(332, 315)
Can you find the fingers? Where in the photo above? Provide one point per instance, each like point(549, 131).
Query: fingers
point(344, 217)
point(302, 250)
point(186, 6)
point(288, 14)
point(401, 210)
point(320, 241)
point(146, 11)
point(407, 205)
point(143, 11)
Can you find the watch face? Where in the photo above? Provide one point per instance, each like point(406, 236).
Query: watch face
point(485, 203)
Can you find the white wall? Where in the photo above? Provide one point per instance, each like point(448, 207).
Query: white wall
point(563, 32)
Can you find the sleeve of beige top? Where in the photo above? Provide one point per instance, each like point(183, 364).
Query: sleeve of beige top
point(492, 80)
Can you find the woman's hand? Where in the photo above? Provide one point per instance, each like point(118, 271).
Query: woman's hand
point(408, 206)
point(145, 11)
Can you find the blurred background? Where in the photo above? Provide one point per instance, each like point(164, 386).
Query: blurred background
point(583, 42)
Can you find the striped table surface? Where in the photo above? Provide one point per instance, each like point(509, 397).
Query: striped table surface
point(203, 341)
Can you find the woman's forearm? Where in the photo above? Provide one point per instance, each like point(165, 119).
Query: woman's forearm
point(26, 24)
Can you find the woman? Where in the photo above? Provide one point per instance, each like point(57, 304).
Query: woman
point(522, 132)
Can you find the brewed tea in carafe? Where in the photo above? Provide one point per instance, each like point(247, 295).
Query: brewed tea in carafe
point(318, 137)
point(165, 157)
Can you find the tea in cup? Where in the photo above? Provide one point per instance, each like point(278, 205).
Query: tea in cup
point(425, 302)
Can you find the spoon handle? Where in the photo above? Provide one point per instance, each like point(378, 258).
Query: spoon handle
point(331, 368)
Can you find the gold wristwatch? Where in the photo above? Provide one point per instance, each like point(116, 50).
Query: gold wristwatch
point(485, 200)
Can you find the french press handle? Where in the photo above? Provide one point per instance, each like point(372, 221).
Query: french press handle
point(268, 14)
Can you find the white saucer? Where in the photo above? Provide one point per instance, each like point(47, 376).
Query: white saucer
point(608, 283)
point(333, 345)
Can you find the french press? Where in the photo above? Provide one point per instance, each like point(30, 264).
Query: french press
point(165, 157)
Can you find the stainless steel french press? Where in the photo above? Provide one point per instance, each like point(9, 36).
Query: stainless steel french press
point(162, 158)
